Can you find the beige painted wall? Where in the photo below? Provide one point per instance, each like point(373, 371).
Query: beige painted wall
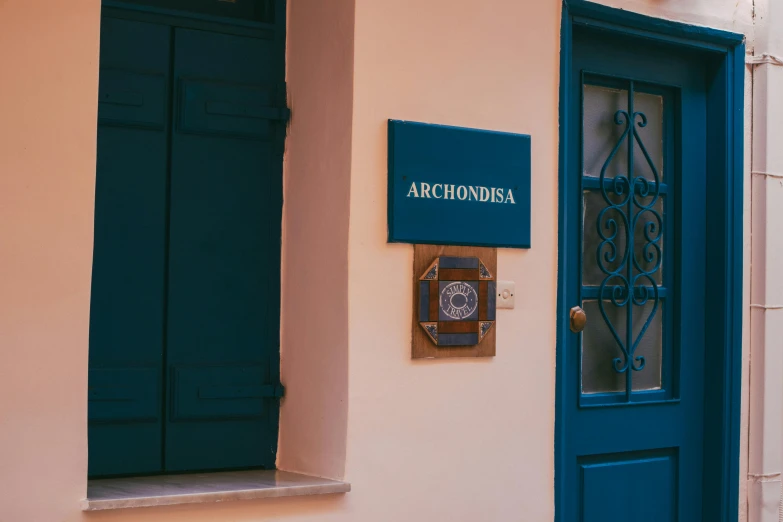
point(314, 337)
point(48, 100)
point(468, 440)
point(425, 440)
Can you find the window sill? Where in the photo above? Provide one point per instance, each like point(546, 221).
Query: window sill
point(167, 490)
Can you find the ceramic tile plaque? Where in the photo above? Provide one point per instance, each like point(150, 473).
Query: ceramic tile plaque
point(458, 186)
point(454, 301)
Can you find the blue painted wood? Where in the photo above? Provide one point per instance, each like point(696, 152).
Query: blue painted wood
point(458, 262)
point(674, 425)
point(132, 98)
point(424, 301)
point(220, 393)
point(250, 10)
point(124, 395)
point(630, 429)
point(222, 109)
point(479, 179)
point(459, 339)
point(223, 309)
point(725, 205)
point(128, 287)
point(194, 20)
point(590, 14)
point(206, 142)
point(636, 478)
point(492, 300)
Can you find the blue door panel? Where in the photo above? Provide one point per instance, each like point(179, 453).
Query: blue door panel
point(625, 487)
point(635, 456)
point(127, 301)
point(223, 311)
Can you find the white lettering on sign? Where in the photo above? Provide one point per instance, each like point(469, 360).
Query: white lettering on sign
point(461, 192)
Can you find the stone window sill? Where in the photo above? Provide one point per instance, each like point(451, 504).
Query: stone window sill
point(166, 490)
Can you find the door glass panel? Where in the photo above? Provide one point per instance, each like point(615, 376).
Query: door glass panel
point(600, 350)
point(602, 132)
point(623, 208)
point(650, 135)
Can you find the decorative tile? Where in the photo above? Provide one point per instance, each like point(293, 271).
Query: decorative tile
point(432, 331)
point(456, 301)
point(484, 328)
point(431, 273)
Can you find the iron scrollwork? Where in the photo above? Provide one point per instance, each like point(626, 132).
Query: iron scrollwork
point(630, 200)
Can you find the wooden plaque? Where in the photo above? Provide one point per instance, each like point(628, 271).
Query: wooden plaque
point(423, 346)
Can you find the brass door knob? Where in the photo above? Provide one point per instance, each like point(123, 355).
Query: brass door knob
point(578, 319)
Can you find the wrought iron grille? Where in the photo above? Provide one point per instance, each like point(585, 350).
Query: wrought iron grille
point(628, 254)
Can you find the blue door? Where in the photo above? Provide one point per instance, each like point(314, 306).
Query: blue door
point(634, 377)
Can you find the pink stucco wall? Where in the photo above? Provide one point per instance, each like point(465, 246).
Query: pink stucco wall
point(48, 101)
point(314, 340)
point(458, 440)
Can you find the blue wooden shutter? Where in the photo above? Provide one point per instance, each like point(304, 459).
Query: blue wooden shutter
point(222, 358)
point(127, 304)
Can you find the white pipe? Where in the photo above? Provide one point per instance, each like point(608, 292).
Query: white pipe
point(765, 431)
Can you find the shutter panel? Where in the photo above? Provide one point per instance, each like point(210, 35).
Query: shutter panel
point(222, 355)
point(127, 301)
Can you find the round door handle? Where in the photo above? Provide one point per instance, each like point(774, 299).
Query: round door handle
point(578, 319)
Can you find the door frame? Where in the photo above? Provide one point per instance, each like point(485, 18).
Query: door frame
point(723, 369)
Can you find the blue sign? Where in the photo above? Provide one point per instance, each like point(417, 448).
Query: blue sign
point(458, 186)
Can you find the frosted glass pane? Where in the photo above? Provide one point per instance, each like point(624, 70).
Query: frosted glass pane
point(651, 135)
point(593, 204)
point(599, 348)
point(602, 132)
point(647, 256)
